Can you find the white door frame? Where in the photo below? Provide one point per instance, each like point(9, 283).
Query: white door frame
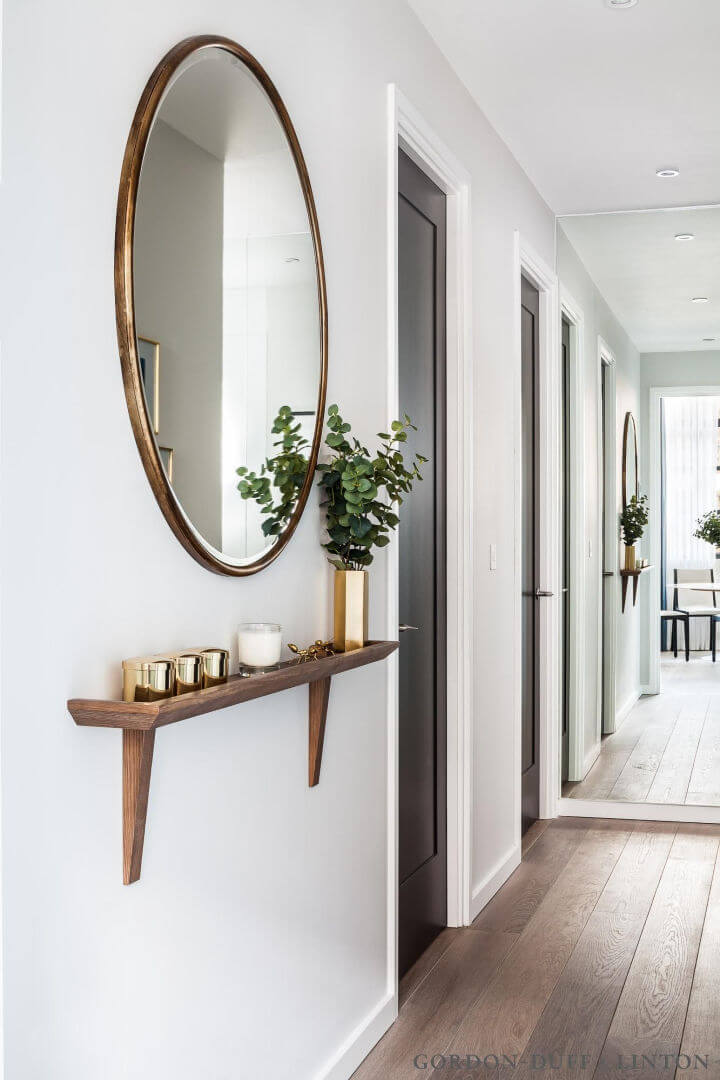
point(530, 265)
point(572, 312)
point(654, 685)
point(607, 633)
point(408, 130)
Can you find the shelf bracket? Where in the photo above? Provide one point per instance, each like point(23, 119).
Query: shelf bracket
point(137, 765)
point(319, 694)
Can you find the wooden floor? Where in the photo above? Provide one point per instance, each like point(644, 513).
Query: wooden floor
point(604, 944)
point(668, 748)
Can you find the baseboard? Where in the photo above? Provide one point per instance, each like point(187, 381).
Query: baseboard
point(648, 691)
point(483, 893)
point(360, 1042)
point(628, 705)
point(597, 808)
point(590, 758)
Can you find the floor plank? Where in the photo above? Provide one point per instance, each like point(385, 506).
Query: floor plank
point(613, 958)
point(634, 781)
point(512, 908)
point(434, 1012)
point(534, 833)
point(602, 777)
point(672, 779)
point(528, 976)
point(575, 1022)
point(702, 1025)
point(424, 965)
point(704, 786)
point(651, 1012)
point(635, 766)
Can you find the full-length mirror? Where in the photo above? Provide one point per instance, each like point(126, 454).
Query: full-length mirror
point(630, 460)
point(221, 304)
point(640, 724)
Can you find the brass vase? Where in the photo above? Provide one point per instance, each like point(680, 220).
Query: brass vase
point(630, 561)
point(351, 610)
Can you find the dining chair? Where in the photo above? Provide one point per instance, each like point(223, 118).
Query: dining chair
point(675, 617)
point(696, 605)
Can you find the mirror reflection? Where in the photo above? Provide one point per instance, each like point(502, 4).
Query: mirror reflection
point(645, 728)
point(226, 300)
point(630, 460)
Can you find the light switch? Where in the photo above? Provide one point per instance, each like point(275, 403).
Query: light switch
point(493, 556)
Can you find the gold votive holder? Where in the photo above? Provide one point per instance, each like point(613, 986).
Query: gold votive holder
point(216, 666)
point(189, 672)
point(148, 678)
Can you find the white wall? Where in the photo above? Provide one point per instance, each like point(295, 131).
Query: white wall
point(259, 923)
point(667, 369)
point(178, 261)
point(600, 322)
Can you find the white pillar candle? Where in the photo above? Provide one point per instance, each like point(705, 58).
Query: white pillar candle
point(259, 644)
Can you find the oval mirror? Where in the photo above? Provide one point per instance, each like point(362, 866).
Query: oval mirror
point(221, 307)
point(630, 460)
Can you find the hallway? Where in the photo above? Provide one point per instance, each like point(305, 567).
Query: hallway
point(668, 748)
point(603, 943)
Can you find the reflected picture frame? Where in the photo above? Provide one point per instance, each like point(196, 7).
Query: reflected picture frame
point(149, 360)
point(167, 455)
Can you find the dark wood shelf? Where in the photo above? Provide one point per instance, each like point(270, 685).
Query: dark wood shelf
point(635, 575)
point(139, 720)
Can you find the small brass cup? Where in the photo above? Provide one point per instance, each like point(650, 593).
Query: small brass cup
point(148, 678)
point(189, 668)
point(216, 664)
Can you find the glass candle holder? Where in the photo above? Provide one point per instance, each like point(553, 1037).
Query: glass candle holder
point(259, 647)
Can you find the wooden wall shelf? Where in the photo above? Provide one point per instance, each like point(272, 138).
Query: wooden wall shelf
point(139, 721)
point(635, 575)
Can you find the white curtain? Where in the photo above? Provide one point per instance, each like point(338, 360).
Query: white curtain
point(691, 490)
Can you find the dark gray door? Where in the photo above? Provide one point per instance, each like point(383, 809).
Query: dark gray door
point(530, 324)
point(603, 563)
point(565, 451)
point(423, 723)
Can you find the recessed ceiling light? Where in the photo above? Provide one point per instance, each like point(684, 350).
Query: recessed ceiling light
point(667, 174)
point(621, 3)
point(685, 236)
point(699, 299)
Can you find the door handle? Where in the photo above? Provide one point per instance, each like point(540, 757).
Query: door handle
point(542, 592)
point(608, 573)
point(404, 626)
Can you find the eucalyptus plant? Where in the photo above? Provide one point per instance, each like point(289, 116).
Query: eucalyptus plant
point(277, 486)
point(633, 519)
point(708, 528)
point(360, 490)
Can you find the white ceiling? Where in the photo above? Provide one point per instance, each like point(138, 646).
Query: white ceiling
point(217, 103)
point(593, 101)
point(649, 278)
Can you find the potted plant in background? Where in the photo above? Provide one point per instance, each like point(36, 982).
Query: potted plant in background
point(359, 493)
point(633, 520)
point(708, 528)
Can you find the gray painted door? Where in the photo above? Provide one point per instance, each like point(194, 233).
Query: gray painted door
point(423, 725)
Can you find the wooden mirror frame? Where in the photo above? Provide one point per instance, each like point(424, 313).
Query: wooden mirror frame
point(629, 419)
point(142, 123)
